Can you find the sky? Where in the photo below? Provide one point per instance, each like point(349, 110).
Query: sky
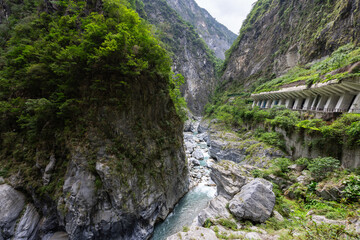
point(230, 13)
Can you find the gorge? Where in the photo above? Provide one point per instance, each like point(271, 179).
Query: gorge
point(139, 119)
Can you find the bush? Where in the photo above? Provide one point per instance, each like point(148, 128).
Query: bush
point(303, 162)
point(352, 188)
point(314, 231)
point(321, 167)
point(282, 164)
point(227, 224)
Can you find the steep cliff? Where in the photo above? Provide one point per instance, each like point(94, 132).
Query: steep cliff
point(190, 54)
point(217, 36)
point(90, 136)
point(278, 35)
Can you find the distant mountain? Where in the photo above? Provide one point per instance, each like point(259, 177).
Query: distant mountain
point(216, 35)
point(189, 52)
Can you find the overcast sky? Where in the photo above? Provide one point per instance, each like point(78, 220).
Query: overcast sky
point(231, 13)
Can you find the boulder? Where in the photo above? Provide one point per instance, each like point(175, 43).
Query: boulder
point(217, 208)
point(197, 233)
point(255, 202)
point(12, 203)
point(229, 178)
point(190, 146)
point(198, 155)
point(195, 162)
point(203, 126)
point(187, 125)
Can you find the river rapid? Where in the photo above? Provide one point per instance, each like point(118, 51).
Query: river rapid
point(202, 188)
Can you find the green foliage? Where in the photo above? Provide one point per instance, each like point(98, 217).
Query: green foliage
point(286, 119)
point(60, 73)
point(303, 162)
point(319, 72)
point(175, 94)
point(272, 138)
point(321, 167)
point(314, 231)
point(227, 224)
point(186, 228)
point(352, 188)
point(208, 223)
point(282, 164)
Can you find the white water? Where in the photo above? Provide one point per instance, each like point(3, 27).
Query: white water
point(185, 211)
point(194, 201)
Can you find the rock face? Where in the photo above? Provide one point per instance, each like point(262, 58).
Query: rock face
point(282, 34)
point(255, 202)
point(125, 172)
point(229, 178)
point(217, 36)
point(190, 56)
point(226, 145)
point(13, 223)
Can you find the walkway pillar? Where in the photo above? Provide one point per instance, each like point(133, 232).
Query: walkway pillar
point(308, 103)
point(343, 105)
point(298, 104)
point(321, 104)
point(355, 107)
point(331, 103)
point(268, 103)
point(282, 102)
point(289, 103)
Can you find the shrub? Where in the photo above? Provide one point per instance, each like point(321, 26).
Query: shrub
point(303, 162)
point(314, 231)
point(227, 223)
point(208, 223)
point(282, 164)
point(321, 167)
point(352, 188)
point(186, 228)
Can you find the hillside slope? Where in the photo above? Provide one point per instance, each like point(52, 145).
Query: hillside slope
point(217, 36)
point(278, 35)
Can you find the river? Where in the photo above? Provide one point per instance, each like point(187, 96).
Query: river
point(198, 197)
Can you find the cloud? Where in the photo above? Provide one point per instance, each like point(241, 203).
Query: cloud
point(231, 13)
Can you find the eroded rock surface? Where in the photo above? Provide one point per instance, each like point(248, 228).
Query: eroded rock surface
point(12, 203)
point(255, 202)
point(229, 178)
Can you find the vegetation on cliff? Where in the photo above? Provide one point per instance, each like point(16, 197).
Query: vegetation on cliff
point(344, 63)
point(59, 69)
point(278, 35)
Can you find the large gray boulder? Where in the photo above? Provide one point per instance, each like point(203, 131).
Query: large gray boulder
point(229, 178)
point(217, 208)
point(198, 155)
point(255, 202)
point(12, 203)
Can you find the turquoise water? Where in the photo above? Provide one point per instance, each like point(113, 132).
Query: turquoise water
point(184, 212)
